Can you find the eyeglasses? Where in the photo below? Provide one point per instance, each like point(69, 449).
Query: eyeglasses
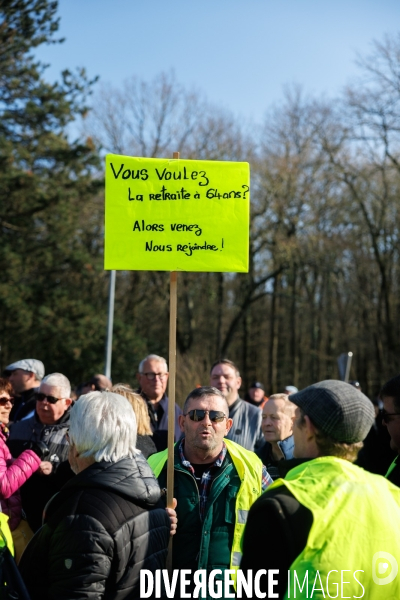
point(50, 399)
point(386, 416)
point(5, 399)
point(198, 414)
point(152, 376)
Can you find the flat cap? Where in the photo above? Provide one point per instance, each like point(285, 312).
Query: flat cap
point(337, 409)
point(28, 364)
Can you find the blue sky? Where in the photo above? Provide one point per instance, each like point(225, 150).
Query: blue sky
point(239, 54)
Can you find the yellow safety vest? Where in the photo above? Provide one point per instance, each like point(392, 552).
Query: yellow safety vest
point(392, 467)
point(249, 469)
point(5, 534)
point(355, 535)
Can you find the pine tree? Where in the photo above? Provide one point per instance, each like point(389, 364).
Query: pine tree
point(52, 286)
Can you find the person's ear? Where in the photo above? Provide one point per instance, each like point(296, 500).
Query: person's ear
point(68, 401)
point(181, 421)
point(238, 383)
point(229, 423)
point(73, 450)
point(309, 426)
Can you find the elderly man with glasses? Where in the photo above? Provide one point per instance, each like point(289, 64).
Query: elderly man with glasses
point(216, 481)
point(153, 380)
point(49, 424)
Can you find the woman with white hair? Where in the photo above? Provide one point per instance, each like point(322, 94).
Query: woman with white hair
point(107, 522)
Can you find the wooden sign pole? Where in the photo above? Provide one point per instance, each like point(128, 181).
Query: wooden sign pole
point(171, 387)
point(171, 393)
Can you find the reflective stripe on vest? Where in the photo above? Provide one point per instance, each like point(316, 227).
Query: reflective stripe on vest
point(242, 516)
point(249, 469)
point(356, 527)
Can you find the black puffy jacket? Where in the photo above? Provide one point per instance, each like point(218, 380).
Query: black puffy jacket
point(100, 530)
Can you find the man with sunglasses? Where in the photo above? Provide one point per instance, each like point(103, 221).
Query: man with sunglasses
point(390, 396)
point(216, 481)
point(49, 424)
point(153, 380)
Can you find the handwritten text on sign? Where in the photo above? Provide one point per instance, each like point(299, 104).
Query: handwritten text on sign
point(176, 215)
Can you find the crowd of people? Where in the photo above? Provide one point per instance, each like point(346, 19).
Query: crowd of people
point(267, 485)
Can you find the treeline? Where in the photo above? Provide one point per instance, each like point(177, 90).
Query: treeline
point(324, 245)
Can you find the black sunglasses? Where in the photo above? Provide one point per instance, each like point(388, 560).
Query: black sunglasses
point(50, 399)
point(198, 414)
point(4, 400)
point(386, 416)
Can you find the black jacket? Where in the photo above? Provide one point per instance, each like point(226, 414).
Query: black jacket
point(376, 455)
point(102, 528)
point(38, 489)
point(279, 468)
point(24, 404)
point(145, 444)
point(286, 524)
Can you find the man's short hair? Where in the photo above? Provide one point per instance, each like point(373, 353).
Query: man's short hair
point(204, 392)
point(226, 361)
point(153, 357)
point(392, 389)
point(289, 407)
point(103, 427)
point(101, 383)
point(58, 380)
point(327, 446)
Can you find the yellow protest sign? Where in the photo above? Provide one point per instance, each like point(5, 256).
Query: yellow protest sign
point(176, 215)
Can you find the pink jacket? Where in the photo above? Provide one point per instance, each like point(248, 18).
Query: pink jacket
point(14, 473)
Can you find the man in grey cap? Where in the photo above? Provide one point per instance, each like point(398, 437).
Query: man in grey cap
point(25, 376)
point(307, 517)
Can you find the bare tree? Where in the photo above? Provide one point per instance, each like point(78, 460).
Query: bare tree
point(374, 103)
